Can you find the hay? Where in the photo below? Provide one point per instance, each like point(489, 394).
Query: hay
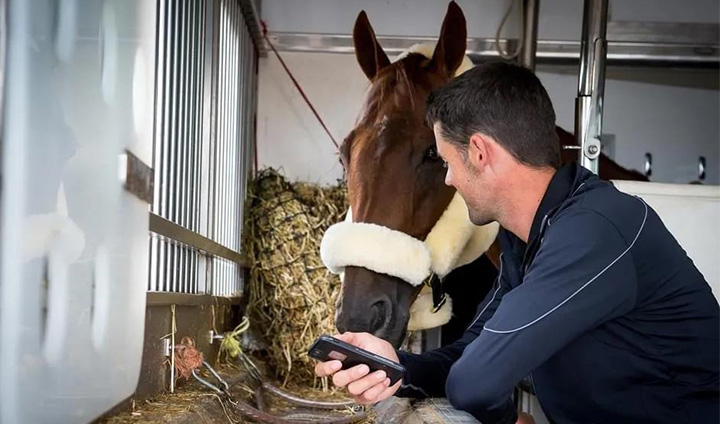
point(291, 294)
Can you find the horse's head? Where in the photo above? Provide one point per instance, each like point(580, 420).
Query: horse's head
point(395, 178)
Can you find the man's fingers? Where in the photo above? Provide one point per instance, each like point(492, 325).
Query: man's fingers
point(372, 395)
point(352, 338)
point(345, 377)
point(359, 387)
point(323, 369)
point(389, 391)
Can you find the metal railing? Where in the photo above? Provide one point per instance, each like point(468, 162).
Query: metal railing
point(205, 108)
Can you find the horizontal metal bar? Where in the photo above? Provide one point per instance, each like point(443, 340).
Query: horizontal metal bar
point(171, 230)
point(548, 51)
point(169, 298)
point(691, 34)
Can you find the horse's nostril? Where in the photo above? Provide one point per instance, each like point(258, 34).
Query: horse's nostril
point(380, 315)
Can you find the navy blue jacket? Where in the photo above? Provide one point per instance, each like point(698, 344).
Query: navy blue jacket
point(602, 308)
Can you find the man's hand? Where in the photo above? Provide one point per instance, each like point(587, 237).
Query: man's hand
point(366, 388)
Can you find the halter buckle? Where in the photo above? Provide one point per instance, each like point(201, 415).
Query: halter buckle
point(439, 296)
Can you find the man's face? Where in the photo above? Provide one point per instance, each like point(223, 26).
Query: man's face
point(466, 178)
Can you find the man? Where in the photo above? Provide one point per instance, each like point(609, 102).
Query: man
point(595, 300)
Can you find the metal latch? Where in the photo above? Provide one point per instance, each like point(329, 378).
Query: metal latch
point(136, 177)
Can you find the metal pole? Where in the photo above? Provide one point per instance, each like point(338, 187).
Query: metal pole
point(530, 24)
point(591, 83)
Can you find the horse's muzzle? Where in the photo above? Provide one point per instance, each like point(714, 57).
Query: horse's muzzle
point(374, 303)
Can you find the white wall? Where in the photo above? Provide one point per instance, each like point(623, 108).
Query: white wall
point(647, 110)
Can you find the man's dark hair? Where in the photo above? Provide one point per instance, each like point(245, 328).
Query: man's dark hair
point(504, 101)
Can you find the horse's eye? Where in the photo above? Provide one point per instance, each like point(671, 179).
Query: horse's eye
point(432, 154)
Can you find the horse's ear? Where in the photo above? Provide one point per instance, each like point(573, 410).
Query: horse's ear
point(369, 53)
point(450, 49)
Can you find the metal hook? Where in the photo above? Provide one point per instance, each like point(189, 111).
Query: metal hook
point(225, 390)
point(702, 164)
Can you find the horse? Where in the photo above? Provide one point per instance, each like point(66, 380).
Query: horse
point(395, 181)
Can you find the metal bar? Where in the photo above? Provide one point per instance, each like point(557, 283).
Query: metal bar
point(170, 298)
point(689, 34)
point(160, 16)
point(227, 160)
point(704, 52)
point(3, 64)
point(251, 15)
point(197, 166)
point(233, 168)
point(214, 135)
point(168, 250)
point(187, 139)
point(222, 121)
point(245, 59)
point(180, 143)
point(232, 139)
point(193, 139)
point(173, 231)
point(530, 23)
point(591, 83)
point(170, 186)
point(192, 135)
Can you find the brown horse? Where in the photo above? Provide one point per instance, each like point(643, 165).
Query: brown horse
point(394, 176)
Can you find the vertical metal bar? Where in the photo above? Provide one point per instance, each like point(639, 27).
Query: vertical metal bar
point(221, 125)
point(192, 98)
point(195, 123)
point(213, 137)
point(168, 248)
point(182, 139)
point(227, 72)
point(184, 134)
point(160, 59)
point(247, 61)
point(197, 165)
point(200, 119)
point(591, 83)
point(232, 168)
point(187, 174)
point(197, 134)
point(237, 117)
point(222, 102)
point(178, 140)
point(530, 23)
point(175, 139)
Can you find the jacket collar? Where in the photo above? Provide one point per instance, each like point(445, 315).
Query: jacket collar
point(563, 185)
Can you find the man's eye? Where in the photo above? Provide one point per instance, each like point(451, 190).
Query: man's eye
point(444, 165)
point(432, 154)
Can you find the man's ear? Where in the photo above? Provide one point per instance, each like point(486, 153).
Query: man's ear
point(478, 151)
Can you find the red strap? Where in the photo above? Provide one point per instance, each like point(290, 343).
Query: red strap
point(297, 85)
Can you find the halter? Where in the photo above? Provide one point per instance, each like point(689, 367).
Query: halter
point(453, 241)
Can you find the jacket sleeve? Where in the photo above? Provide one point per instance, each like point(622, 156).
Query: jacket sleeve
point(582, 276)
point(426, 373)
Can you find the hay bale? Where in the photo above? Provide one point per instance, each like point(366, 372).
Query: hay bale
point(291, 294)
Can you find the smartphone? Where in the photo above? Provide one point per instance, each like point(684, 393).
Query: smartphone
point(327, 348)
